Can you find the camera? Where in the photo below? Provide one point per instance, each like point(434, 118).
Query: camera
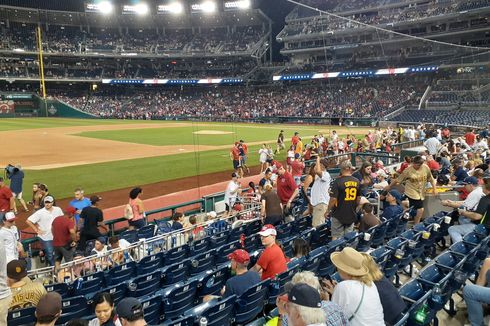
point(10, 170)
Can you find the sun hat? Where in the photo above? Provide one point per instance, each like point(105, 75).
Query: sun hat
point(349, 261)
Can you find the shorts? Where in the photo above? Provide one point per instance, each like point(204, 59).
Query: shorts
point(17, 196)
point(138, 224)
point(236, 164)
point(318, 215)
point(63, 252)
point(415, 203)
point(244, 159)
point(338, 229)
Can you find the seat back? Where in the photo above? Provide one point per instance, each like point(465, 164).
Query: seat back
point(284, 231)
point(223, 252)
point(202, 262)
point(176, 255)
point(146, 232)
point(277, 285)
point(20, 317)
point(472, 238)
point(175, 273)
point(236, 233)
point(378, 234)
point(320, 236)
point(178, 298)
point(449, 259)
point(253, 227)
point(62, 288)
point(120, 273)
point(314, 259)
point(130, 236)
point(392, 226)
point(88, 284)
point(213, 281)
point(251, 302)
point(381, 255)
point(252, 242)
point(219, 239)
point(118, 291)
point(287, 245)
point(462, 248)
point(151, 308)
point(412, 291)
point(198, 247)
point(144, 284)
point(183, 321)
point(151, 263)
point(434, 274)
point(217, 312)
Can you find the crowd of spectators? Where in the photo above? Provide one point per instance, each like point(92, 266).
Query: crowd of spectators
point(343, 99)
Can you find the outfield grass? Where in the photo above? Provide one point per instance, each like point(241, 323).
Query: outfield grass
point(36, 123)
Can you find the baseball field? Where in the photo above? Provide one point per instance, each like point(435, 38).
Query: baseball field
point(109, 155)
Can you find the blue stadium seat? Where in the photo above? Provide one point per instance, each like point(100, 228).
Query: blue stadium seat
point(251, 302)
point(253, 227)
point(218, 312)
point(326, 266)
point(146, 232)
point(198, 247)
point(462, 248)
point(300, 225)
point(88, 284)
point(201, 263)
point(252, 242)
point(287, 245)
point(352, 239)
point(434, 274)
point(277, 284)
point(381, 255)
point(150, 263)
point(20, 317)
point(178, 298)
point(218, 240)
point(163, 226)
point(120, 273)
point(118, 291)
point(211, 282)
point(314, 259)
point(176, 255)
point(223, 252)
point(284, 230)
point(183, 321)
point(449, 259)
point(152, 308)
point(320, 236)
point(472, 238)
point(378, 234)
point(62, 288)
point(175, 273)
point(392, 227)
point(236, 233)
point(73, 308)
point(130, 236)
point(144, 284)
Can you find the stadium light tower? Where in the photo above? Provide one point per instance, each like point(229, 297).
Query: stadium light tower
point(176, 8)
point(142, 9)
point(105, 7)
point(244, 4)
point(208, 6)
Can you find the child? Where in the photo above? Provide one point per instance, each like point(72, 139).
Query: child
point(368, 219)
point(178, 221)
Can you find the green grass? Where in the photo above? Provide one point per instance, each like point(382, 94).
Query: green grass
point(121, 174)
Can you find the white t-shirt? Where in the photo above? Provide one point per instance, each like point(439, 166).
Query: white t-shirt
point(263, 152)
point(471, 202)
point(348, 294)
point(231, 193)
point(44, 219)
point(123, 244)
point(10, 238)
point(320, 191)
point(432, 145)
point(100, 253)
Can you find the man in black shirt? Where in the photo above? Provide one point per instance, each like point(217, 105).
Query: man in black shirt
point(91, 218)
point(344, 198)
point(265, 180)
point(482, 213)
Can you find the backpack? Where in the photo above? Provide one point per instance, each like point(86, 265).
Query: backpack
point(128, 212)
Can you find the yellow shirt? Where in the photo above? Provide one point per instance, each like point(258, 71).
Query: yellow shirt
point(299, 148)
point(27, 294)
point(415, 181)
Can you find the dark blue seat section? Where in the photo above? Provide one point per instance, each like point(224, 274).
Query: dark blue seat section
point(202, 262)
point(212, 281)
point(20, 317)
point(176, 255)
point(178, 298)
point(251, 302)
point(146, 232)
point(145, 284)
point(218, 312)
point(198, 247)
point(152, 309)
point(151, 263)
point(175, 273)
point(120, 273)
point(73, 308)
point(89, 284)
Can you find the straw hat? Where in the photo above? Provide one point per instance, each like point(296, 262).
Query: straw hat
point(349, 261)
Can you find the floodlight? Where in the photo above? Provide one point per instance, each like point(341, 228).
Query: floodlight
point(105, 7)
point(208, 6)
point(176, 8)
point(141, 8)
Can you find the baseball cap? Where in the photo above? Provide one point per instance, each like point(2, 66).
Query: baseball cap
point(296, 155)
point(268, 230)
point(303, 295)
point(16, 269)
point(48, 199)
point(278, 165)
point(101, 240)
point(470, 181)
point(49, 305)
point(396, 195)
point(234, 175)
point(95, 198)
point(10, 216)
point(128, 307)
point(212, 214)
point(240, 256)
point(70, 210)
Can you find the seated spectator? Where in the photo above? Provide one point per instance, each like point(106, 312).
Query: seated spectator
point(368, 219)
point(130, 312)
point(432, 164)
point(25, 293)
point(459, 173)
point(104, 311)
point(48, 309)
point(116, 243)
point(382, 183)
point(356, 294)
point(100, 248)
point(303, 305)
point(271, 209)
point(393, 304)
point(333, 313)
point(474, 194)
point(475, 296)
point(300, 248)
point(392, 209)
point(177, 221)
point(196, 230)
point(272, 260)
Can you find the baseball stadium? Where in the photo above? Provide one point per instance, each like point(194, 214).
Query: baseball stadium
point(245, 162)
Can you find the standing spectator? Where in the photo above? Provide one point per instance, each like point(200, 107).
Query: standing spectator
point(432, 144)
point(235, 158)
point(267, 179)
point(45, 193)
point(320, 192)
point(64, 236)
point(80, 202)
point(5, 293)
point(130, 312)
point(297, 167)
point(290, 158)
point(304, 306)
point(272, 260)
point(295, 139)
point(263, 158)
point(9, 235)
point(104, 311)
point(470, 137)
point(286, 188)
point(41, 222)
point(280, 142)
point(344, 199)
point(25, 293)
point(271, 209)
point(243, 155)
point(415, 178)
point(231, 192)
point(7, 201)
point(91, 219)
point(16, 181)
point(138, 220)
point(48, 309)
point(37, 196)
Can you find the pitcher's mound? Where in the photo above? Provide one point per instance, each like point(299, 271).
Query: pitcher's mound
point(212, 132)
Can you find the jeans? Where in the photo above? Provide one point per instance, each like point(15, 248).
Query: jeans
point(48, 251)
point(457, 232)
point(475, 296)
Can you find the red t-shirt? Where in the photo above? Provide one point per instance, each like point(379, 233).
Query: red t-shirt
point(297, 167)
point(403, 167)
point(433, 165)
point(294, 140)
point(61, 230)
point(285, 186)
point(5, 195)
point(272, 261)
point(470, 138)
point(236, 153)
point(245, 149)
